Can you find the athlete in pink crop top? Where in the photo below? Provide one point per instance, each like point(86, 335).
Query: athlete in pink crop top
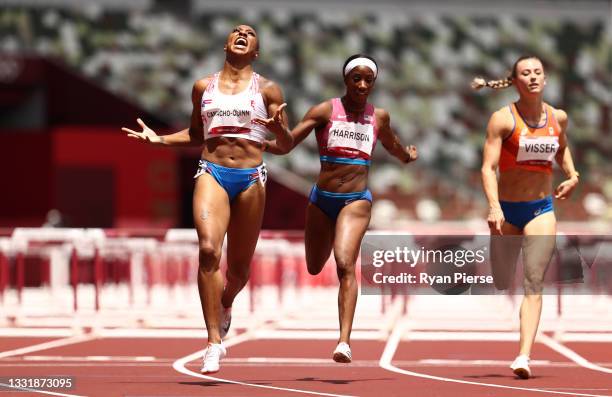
point(347, 141)
point(230, 171)
point(338, 214)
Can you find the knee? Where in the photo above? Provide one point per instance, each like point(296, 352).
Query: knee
point(209, 256)
point(345, 269)
point(314, 267)
point(533, 287)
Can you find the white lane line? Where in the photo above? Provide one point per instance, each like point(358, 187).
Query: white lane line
point(572, 355)
point(49, 361)
point(47, 345)
point(150, 333)
point(180, 366)
point(393, 343)
point(36, 332)
point(39, 391)
point(91, 358)
point(302, 333)
point(605, 337)
point(479, 336)
point(571, 388)
point(305, 334)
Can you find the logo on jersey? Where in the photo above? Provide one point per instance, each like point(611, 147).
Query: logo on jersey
point(551, 131)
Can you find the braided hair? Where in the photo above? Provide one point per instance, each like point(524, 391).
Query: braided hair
point(479, 82)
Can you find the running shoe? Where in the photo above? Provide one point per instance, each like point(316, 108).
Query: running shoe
point(214, 352)
point(226, 320)
point(342, 354)
point(520, 367)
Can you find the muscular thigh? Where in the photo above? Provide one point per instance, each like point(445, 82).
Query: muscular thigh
point(351, 226)
point(318, 235)
point(538, 249)
point(211, 211)
point(246, 217)
point(504, 253)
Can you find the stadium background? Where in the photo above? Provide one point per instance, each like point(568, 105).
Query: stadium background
point(72, 73)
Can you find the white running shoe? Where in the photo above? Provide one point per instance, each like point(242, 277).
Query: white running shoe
point(342, 354)
point(214, 352)
point(226, 320)
point(520, 367)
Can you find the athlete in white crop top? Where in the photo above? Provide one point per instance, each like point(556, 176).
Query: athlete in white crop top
point(224, 105)
point(340, 203)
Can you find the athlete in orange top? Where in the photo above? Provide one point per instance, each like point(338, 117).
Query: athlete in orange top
point(522, 141)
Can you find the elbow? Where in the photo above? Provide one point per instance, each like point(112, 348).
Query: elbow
point(488, 170)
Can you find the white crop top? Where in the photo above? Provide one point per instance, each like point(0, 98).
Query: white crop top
point(231, 115)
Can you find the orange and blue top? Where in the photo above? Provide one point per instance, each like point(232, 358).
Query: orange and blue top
point(528, 147)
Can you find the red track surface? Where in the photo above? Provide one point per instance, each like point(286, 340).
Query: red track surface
point(121, 375)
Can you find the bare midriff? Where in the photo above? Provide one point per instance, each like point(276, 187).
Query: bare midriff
point(520, 185)
point(342, 178)
point(233, 152)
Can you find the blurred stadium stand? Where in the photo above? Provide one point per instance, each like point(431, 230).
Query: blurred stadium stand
point(151, 52)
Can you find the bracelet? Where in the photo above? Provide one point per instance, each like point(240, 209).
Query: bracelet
point(574, 174)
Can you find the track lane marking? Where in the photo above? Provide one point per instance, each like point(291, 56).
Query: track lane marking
point(393, 343)
point(180, 366)
point(47, 345)
point(40, 391)
point(572, 355)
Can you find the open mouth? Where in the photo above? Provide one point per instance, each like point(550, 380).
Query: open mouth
point(240, 42)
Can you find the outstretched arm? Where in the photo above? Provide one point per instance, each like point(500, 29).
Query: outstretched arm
point(391, 141)
point(192, 136)
point(564, 159)
point(316, 116)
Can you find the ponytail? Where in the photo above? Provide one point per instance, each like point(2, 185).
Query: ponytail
point(479, 83)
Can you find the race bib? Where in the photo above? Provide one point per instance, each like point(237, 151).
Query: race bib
point(226, 120)
point(537, 149)
point(355, 136)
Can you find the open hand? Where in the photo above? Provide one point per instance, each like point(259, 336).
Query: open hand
point(496, 219)
point(276, 123)
point(566, 188)
point(147, 134)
